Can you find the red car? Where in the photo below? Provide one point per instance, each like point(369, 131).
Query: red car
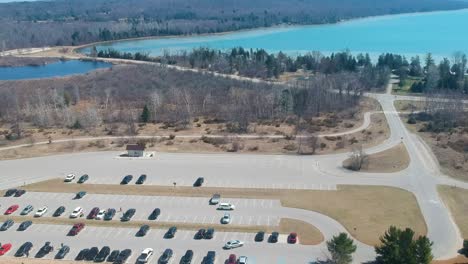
point(93, 213)
point(76, 229)
point(232, 259)
point(11, 209)
point(292, 238)
point(4, 249)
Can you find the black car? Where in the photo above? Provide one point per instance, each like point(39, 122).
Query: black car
point(260, 236)
point(59, 211)
point(171, 232)
point(82, 254)
point(24, 250)
point(80, 195)
point(141, 179)
point(110, 213)
point(128, 215)
point(62, 252)
point(210, 257)
point(209, 233)
point(273, 237)
point(199, 182)
point(10, 192)
point(83, 178)
point(187, 258)
point(91, 254)
point(19, 193)
point(6, 225)
point(126, 179)
point(123, 256)
point(45, 249)
point(155, 214)
point(143, 230)
point(102, 255)
point(200, 234)
point(23, 226)
point(166, 256)
point(113, 255)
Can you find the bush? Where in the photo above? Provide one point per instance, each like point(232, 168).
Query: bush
point(290, 147)
point(171, 136)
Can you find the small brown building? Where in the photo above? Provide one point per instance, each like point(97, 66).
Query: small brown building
point(136, 150)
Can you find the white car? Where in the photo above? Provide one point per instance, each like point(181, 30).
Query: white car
point(226, 206)
point(100, 215)
point(145, 255)
point(78, 212)
point(242, 260)
point(226, 219)
point(70, 177)
point(41, 211)
point(233, 244)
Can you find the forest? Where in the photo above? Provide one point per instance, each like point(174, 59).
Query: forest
point(73, 22)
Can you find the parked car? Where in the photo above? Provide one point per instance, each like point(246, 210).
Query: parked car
point(91, 254)
point(80, 195)
point(171, 232)
point(187, 257)
point(155, 214)
point(10, 192)
point(128, 215)
point(27, 210)
point(210, 257)
point(93, 213)
point(19, 193)
point(23, 226)
point(24, 250)
point(44, 250)
point(6, 225)
point(102, 255)
point(209, 233)
point(199, 182)
point(242, 260)
point(141, 179)
point(145, 255)
point(166, 256)
point(232, 259)
point(200, 234)
point(59, 211)
point(41, 211)
point(83, 178)
point(226, 206)
point(292, 238)
point(233, 244)
point(260, 236)
point(215, 199)
point(82, 254)
point(11, 209)
point(78, 212)
point(100, 215)
point(109, 214)
point(143, 230)
point(226, 219)
point(4, 248)
point(273, 237)
point(64, 250)
point(127, 179)
point(123, 256)
point(113, 255)
point(76, 228)
point(70, 177)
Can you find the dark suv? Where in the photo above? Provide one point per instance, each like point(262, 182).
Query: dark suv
point(141, 179)
point(171, 232)
point(109, 214)
point(128, 215)
point(126, 179)
point(83, 178)
point(199, 182)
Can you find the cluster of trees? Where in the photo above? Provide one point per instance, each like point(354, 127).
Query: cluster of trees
point(397, 247)
point(68, 22)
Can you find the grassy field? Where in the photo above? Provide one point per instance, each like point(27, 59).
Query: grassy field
point(405, 89)
point(388, 161)
point(456, 200)
point(365, 211)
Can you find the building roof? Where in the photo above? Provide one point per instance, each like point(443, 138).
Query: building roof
point(135, 147)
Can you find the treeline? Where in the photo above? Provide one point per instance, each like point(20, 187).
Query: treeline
point(72, 22)
point(261, 64)
point(176, 97)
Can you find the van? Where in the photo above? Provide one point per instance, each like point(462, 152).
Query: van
point(226, 206)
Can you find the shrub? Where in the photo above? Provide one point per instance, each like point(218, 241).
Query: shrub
point(290, 147)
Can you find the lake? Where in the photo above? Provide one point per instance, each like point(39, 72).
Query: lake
point(441, 33)
point(55, 69)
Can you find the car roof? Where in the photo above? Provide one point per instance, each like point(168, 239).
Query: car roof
point(146, 250)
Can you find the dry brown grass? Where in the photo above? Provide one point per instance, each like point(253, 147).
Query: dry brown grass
point(409, 106)
point(457, 260)
point(365, 211)
point(456, 200)
point(388, 161)
point(308, 234)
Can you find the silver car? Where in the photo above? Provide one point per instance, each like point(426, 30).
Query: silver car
point(27, 210)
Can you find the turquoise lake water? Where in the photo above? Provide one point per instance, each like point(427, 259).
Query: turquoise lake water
point(60, 68)
point(441, 33)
